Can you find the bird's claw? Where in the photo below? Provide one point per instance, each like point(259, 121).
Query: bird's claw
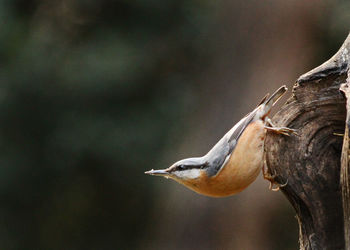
point(278, 186)
point(279, 130)
point(282, 130)
point(271, 179)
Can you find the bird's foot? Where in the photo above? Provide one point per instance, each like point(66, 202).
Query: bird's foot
point(278, 186)
point(279, 130)
point(271, 179)
point(282, 130)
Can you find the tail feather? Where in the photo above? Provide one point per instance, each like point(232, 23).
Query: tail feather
point(263, 100)
point(275, 97)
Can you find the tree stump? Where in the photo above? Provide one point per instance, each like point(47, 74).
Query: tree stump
point(316, 161)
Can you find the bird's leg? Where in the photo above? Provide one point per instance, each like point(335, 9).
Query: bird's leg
point(279, 130)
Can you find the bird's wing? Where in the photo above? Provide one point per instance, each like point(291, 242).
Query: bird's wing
point(220, 153)
point(238, 129)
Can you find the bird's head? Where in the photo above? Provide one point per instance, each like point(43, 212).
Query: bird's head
point(185, 171)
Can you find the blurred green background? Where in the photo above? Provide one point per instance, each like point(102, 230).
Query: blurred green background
point(94, 93)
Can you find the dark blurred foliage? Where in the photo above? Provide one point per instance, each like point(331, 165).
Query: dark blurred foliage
point(89, 91)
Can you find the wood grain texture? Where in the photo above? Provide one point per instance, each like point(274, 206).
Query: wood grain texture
point(345, 166)
point(311, 161)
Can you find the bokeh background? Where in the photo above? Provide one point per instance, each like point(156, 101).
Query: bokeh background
point(94, 93)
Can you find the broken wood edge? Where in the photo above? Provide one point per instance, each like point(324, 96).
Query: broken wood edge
point(336, 65)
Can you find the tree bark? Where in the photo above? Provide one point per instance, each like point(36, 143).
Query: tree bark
point(316, 161)
point(345, 166)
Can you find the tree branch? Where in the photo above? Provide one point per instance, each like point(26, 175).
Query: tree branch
point(311, 161)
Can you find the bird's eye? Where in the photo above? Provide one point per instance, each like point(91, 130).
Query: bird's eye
point(181, 167)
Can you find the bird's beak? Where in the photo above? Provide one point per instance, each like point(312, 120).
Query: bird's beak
point(161, 172)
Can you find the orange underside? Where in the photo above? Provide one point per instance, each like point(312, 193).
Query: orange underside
point(240, 170)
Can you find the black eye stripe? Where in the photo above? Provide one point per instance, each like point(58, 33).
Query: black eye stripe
point(188, 167)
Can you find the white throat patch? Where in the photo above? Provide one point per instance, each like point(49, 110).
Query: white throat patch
point(188, 174)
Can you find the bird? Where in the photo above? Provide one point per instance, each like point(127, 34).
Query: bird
point(236, 159)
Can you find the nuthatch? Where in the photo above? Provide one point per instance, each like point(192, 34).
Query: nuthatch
point(235, 161)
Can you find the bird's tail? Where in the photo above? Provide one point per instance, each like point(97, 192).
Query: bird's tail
point(269, 102)
point(275, 97)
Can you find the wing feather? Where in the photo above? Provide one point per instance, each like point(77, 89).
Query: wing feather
point(217, 156)
point(238, 129)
